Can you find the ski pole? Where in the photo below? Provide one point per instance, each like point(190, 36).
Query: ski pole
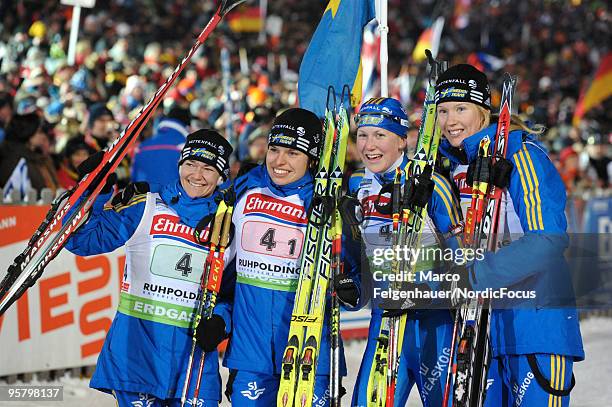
point(213, 241)
point(337, 268)
point(213, 287)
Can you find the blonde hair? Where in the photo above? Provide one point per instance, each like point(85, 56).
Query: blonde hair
point(516, 123)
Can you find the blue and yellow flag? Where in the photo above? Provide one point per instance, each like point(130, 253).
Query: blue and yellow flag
point(333, 56)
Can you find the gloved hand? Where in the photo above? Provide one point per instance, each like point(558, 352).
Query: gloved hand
point(346, 290)
point(210, 333)
point(461, 282)
point(131, 189)
point(90, 164)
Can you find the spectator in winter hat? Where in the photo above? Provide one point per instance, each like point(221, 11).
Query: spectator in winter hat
point(156, 158)
point(74, 153)
point(25, 160)
point(101, 126)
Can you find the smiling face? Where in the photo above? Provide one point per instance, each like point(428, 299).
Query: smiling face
point(198, 179)
point(459, 120)
point(379, 148)
point(285, 165)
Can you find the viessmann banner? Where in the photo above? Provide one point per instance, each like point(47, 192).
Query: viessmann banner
point(61, 321)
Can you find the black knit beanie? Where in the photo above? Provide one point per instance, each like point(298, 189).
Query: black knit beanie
point(299, 129)
point(463, 83)
point(209, 147)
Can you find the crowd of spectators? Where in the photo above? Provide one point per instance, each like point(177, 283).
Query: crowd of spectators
point(53, 115)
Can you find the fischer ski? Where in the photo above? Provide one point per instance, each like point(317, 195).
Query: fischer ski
point(471, 354)
point(45, 244)
point(407, 216)
point(301, 355)
point(210, 284)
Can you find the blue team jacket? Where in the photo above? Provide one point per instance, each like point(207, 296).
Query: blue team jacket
point(534, 261)
point(140, 355)
point(263, 315)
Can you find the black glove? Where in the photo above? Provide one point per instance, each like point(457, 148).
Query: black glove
point(210, 333)
point(421, 189)
point(91, 163)
point(127, 193)
point(395, 307)
point(346, 290)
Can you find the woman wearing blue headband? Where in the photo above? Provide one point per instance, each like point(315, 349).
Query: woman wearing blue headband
point(382, 126)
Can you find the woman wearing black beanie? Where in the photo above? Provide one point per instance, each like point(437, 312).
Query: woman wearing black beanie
point(534, 341)
point(270, 217)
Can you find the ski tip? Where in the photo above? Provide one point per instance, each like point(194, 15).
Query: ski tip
point(227, 5)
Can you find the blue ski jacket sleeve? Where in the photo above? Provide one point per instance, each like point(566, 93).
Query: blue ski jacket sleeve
point(533, 261)
point(107, 228)
point(538, 197)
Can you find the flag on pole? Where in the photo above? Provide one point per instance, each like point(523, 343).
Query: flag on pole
point(333, 55)
point(599, 90)
point(429, 39)
point(245, 19)
point(485, 62)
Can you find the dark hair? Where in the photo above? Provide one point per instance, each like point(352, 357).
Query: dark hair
point(6, 99)
point(22, 126)
point(181, 114)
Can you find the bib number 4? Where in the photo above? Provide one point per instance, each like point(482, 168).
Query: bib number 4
point(184, 265)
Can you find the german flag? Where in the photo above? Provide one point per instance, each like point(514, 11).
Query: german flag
point(245, 19)
point(599, 90)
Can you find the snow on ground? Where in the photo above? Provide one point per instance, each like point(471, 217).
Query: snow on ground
point(593, 376)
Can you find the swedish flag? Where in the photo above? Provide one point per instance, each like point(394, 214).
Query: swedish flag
point(333, 56)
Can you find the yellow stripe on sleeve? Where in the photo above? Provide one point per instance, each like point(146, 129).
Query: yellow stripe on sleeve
point(537, 188)
point(523, 183)
point(132, 202)
point(529, 191)
point(445, 191)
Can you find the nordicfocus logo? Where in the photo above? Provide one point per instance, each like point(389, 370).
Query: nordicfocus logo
point(264, 204)
point(170, 225)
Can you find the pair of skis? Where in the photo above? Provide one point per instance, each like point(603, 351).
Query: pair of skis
point(407, 216)
point(320, 258)
point(470, 357)
point(46, 243)
point(210, 284)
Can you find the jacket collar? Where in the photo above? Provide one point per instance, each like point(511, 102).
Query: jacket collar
point(468, 151)
point(389, 175)
point(190, 210)
point(303, 186)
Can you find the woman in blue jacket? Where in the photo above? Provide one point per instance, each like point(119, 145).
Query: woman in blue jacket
point(145, 354)
point(270, 217)
point(382, 127)
point(534, 342)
